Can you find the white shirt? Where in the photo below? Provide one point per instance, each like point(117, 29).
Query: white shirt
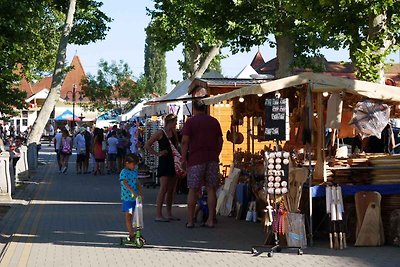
point(58, 138)
point(132, 132)
point(80, 143)
point(112, 145)
point(51, 130)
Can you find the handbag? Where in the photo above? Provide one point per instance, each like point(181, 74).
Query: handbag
point(179, 171)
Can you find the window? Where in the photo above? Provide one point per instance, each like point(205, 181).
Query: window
point(24, 122)
point(25, 114)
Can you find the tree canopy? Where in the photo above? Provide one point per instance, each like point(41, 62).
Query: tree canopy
point(155, 69)
point(29, 37)
point(369, 29)
point(112, 86)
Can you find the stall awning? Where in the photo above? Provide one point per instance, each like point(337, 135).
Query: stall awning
point(320, 83)
point(67, 116)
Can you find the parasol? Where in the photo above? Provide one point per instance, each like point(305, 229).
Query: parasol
point(370, 118)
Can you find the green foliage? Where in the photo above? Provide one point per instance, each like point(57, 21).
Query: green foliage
point(29, 36)
point(155, 69)
point(112, 85)
point(368, 60)
point(348, 24)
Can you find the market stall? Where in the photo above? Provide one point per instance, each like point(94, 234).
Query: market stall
point(320, 108)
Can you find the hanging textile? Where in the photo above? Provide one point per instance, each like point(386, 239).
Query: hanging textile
point(334, 111)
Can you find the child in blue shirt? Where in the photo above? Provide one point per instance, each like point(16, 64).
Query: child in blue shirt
point(130, 190)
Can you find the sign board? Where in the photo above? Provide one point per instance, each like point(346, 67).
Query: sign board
point(277, 119)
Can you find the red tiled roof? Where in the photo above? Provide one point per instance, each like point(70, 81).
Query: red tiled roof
point(257, 61)
point(338, 69)
point(44, 83)
point(25, 86)
point(74, 76)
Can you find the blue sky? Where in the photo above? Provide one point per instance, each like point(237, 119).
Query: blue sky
point(126, 41)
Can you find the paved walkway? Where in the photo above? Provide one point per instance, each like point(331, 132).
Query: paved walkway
point(75, 220)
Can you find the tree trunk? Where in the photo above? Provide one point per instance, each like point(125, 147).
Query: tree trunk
point(285, 55)
point(55, 90)
point(202, 67)
point(284, 49)
point(377, 28)
point(195, 56)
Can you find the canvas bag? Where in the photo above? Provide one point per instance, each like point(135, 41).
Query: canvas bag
point(177, 159)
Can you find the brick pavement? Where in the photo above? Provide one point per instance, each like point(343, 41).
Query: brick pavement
point(75, 220)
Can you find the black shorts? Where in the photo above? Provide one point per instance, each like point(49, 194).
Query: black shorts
point(112, 157)
point(80, 157)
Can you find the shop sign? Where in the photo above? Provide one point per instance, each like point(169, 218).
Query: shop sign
point(277, 119)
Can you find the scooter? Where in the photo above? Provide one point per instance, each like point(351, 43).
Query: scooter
point(138, 241)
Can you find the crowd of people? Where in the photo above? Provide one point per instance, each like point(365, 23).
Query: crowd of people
point(107, 149)
point(200, 144)
point(120, 150)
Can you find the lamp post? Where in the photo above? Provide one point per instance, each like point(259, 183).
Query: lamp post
point(73, 92)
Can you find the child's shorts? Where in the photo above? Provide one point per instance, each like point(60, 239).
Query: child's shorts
point(128, 206)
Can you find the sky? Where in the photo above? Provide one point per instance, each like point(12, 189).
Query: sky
point(126, 39)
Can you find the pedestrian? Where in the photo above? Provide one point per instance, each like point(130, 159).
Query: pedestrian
point(80, 145)
point(166, 166)
point(51, 133)
point(88, 143)
point(66, 150)
point(57, 147)
point(112, 143)
point(202, 137)
point(16, 151)
point(133, 133)
point(99, 151)
point(123, 145)
point(130, 190)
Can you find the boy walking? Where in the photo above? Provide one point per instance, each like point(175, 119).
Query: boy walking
point(130, 190)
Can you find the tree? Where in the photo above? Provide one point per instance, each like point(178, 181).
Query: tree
point(28, 40)
point(203, 26)
point(369, 29)
point(155, 69)
point(111, 86)
point(185, 22)
point(93, 23)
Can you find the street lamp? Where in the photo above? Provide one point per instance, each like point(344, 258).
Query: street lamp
point(73, 92)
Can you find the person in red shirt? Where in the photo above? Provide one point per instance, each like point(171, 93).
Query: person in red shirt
point(202, 138)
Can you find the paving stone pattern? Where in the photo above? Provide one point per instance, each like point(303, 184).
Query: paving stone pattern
point(75, 220)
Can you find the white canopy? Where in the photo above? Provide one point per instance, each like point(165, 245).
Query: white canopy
point(179, 93)
point(42, 94)
point(135, 111)
point(320, 82)
point(246, 73)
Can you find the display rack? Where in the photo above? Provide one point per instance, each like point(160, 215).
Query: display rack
point(276, 184)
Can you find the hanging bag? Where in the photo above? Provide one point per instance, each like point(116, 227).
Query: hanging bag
point(177, 159)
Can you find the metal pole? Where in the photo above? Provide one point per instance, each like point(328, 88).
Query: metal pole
point(310, 169)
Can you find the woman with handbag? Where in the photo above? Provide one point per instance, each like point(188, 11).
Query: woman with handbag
point(167, 139)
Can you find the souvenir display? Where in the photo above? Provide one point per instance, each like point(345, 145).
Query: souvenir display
point(277, 172)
